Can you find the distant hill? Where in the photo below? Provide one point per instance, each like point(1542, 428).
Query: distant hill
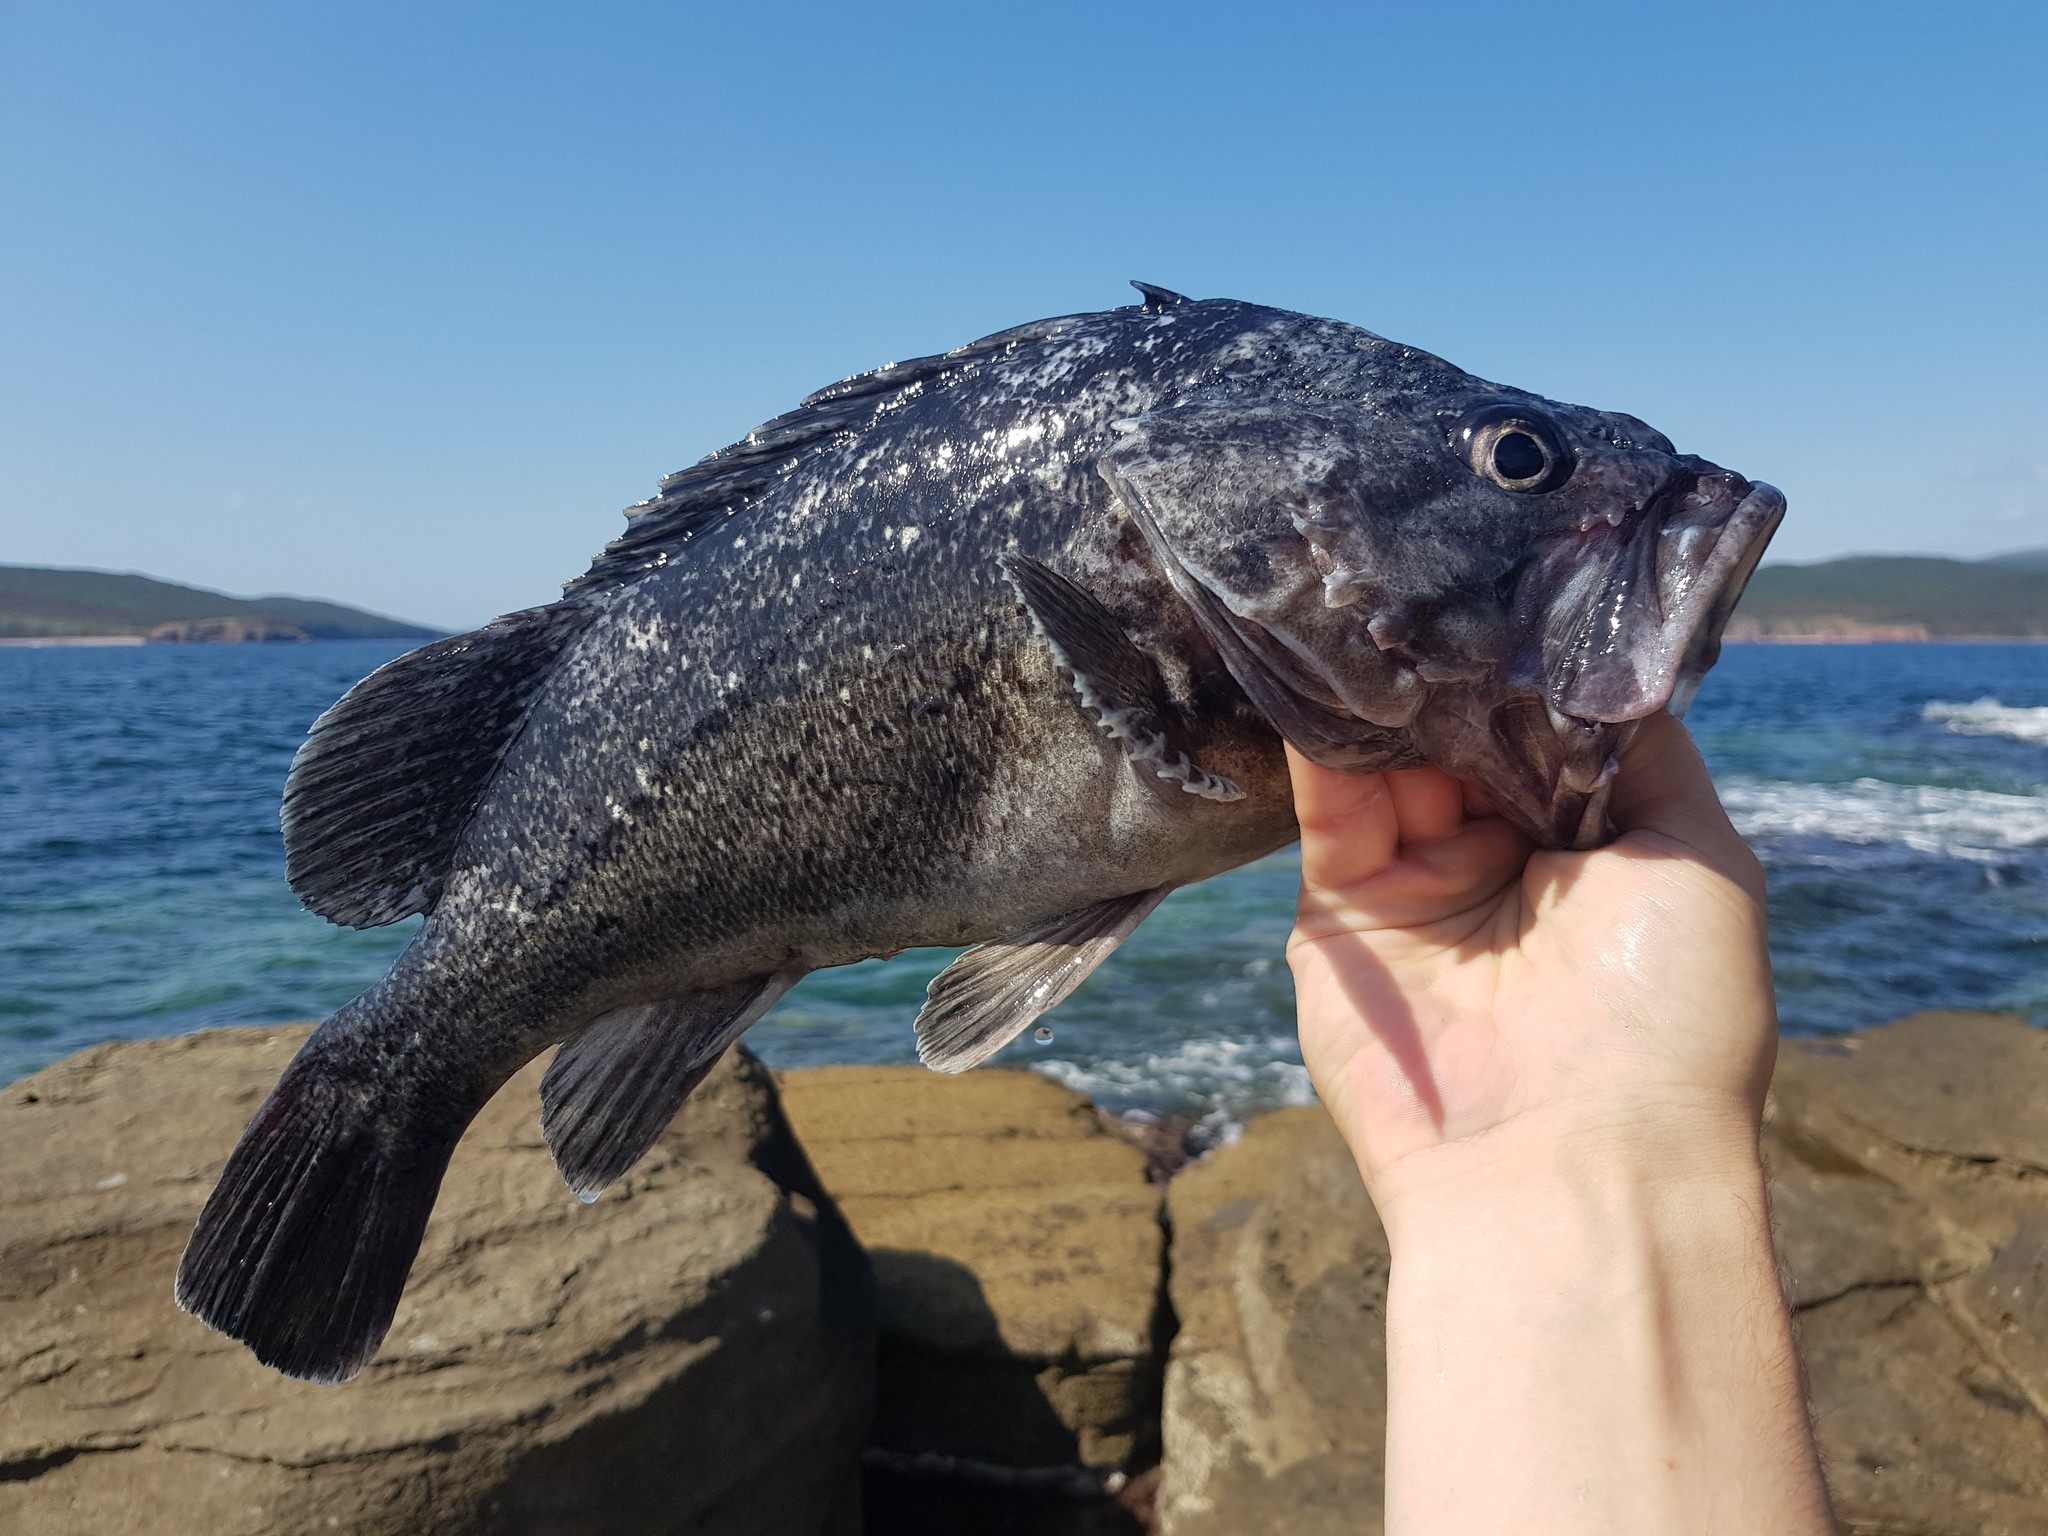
point(42, 603)
point(2028, 559)
point(1896, 597)
point(1867, 597)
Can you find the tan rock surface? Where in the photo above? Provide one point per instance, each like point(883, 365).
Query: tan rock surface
point(1017, 1252)
point(1275, 1413)
point(687, 1355)
point(1928, 1368)
point(1919, 1433)
point(1958, 1084)
point(1911, 1211)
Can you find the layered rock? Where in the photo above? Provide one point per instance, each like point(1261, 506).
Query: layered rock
point(1018, 1255)
point(1275, 1409)
point(1910, 1168)
point(1909, 1173)
point(690, 1354)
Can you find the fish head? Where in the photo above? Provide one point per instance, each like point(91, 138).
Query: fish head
point(1442, 570)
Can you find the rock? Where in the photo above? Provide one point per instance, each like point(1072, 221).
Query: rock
point(1958, 1084)
point(1275, 1415)
point(689, 1354)
point(1840, 1227)
point(2005, 1304)
point(1017, 1250)
point(1909, 1172)
point(1918, 1432)
point(1919, 1267)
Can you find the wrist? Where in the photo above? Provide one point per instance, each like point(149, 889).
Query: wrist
point(1622, 1175)
point(1597, 1320)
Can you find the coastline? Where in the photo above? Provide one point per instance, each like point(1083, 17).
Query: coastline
point(37, 642)
point(1884, 639)
point(1026, 1315)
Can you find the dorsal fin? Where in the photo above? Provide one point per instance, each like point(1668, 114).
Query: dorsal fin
point(721, 483)
point(1157, 297)
point(387, 779)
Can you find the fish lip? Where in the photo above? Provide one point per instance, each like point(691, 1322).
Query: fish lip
point(1760, 513)
point(1612, 684)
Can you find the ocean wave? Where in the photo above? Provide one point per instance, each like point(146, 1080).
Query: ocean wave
point(1959, 823)
point(1226, 1076)
point(1988, 717)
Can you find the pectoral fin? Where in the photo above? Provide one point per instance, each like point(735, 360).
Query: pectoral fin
point(982, 1001)
point(1118, 683)
point(613, 1089)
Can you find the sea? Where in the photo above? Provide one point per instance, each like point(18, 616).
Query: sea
point(1897, 793)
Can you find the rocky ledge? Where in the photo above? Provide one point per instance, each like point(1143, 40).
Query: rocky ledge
point(692, 1353)
point(1909, 1170)
point(1062, 1345)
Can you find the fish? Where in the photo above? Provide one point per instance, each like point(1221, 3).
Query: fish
point(991, 650)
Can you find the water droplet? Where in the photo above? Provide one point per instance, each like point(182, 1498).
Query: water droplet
point(1042, 1034)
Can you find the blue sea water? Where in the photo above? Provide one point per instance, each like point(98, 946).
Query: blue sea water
point(1897, 793)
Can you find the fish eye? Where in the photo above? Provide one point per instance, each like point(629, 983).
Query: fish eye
point(1514, 447)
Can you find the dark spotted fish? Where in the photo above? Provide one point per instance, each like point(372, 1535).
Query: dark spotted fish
point(990, 649)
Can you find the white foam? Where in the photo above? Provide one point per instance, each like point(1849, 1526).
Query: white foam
point(1960, 823)
point(1215, 1070)
point(1988, 717)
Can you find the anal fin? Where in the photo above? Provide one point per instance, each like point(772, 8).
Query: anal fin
point(1118, 683)
point(613, 1089)
point(982, 1001)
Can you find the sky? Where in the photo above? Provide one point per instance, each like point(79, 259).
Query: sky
point(399, 304)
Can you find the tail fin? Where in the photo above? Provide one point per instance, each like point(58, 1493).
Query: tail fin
point(303, 1247)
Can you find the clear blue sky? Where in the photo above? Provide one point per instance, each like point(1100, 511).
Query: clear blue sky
point(400, 303)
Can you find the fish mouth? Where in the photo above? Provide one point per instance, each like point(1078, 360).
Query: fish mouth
point(1633, 628)
point(1617, 622)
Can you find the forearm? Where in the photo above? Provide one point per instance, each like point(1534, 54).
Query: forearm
point(1585, 1337)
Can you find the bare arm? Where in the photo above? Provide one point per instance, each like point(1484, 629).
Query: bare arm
point(1551, 1070)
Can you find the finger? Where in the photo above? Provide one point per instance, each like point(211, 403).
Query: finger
point(1348, 826)
point(1429, 804)
point(1476, 861)
point(1664, 787)
point(1359, 872)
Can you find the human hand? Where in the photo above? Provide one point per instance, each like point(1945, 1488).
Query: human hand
point(1462, 998)
point(1550, 1068)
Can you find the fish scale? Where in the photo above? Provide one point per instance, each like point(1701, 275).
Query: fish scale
point(994, 649)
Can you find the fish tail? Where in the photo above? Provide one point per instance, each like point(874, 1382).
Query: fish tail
point(303, 1248)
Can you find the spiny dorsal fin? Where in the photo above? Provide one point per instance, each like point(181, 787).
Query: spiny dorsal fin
point(1118, 683)
point(722, 482)
point(387, 779)
point(1157, 297)
point(982, 1001)
point(613, 1089)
